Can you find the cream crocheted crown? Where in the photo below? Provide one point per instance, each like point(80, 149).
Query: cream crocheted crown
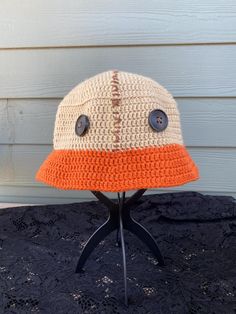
point(118, 104)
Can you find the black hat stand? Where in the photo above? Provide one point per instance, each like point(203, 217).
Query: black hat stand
point(119, 219)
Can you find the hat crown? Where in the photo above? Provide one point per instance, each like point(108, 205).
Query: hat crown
point(117, 105)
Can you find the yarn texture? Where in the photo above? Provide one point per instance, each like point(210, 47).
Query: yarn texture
point(120, 151)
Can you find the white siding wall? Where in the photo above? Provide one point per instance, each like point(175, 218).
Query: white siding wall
point(47, 47)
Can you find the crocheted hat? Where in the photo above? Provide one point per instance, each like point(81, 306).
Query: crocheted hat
point(117, 131)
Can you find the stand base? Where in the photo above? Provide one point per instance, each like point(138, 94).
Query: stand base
point(119, 218)
point(112, 224)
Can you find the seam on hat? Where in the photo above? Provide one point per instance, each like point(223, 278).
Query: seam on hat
point(116, 102)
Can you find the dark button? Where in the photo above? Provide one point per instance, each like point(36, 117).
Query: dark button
point(82, 125)
point(158, 120)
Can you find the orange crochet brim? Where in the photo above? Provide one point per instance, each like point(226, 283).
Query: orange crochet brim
point(117, 171)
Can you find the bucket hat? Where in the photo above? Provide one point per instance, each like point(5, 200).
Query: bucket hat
point(117, 131)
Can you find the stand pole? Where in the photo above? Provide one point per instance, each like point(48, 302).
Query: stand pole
point(121, 205)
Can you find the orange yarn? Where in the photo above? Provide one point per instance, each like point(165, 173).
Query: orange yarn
point(115, 171)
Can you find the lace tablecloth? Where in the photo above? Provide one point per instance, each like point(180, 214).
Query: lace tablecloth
point(40, 247)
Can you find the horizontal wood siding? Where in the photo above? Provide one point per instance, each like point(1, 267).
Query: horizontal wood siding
point(41, 23)
point(187, 71)
point(48, 47)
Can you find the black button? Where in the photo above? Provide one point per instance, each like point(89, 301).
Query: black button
point(82, 125)
point(158, 120)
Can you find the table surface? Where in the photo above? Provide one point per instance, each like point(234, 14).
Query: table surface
point(40, 247)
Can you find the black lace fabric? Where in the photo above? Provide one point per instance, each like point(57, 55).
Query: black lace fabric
point(40, 247)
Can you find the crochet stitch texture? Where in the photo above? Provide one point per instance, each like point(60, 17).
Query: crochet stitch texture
point(120, 151)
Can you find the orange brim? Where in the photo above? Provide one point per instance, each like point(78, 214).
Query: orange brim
point(116, 171)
